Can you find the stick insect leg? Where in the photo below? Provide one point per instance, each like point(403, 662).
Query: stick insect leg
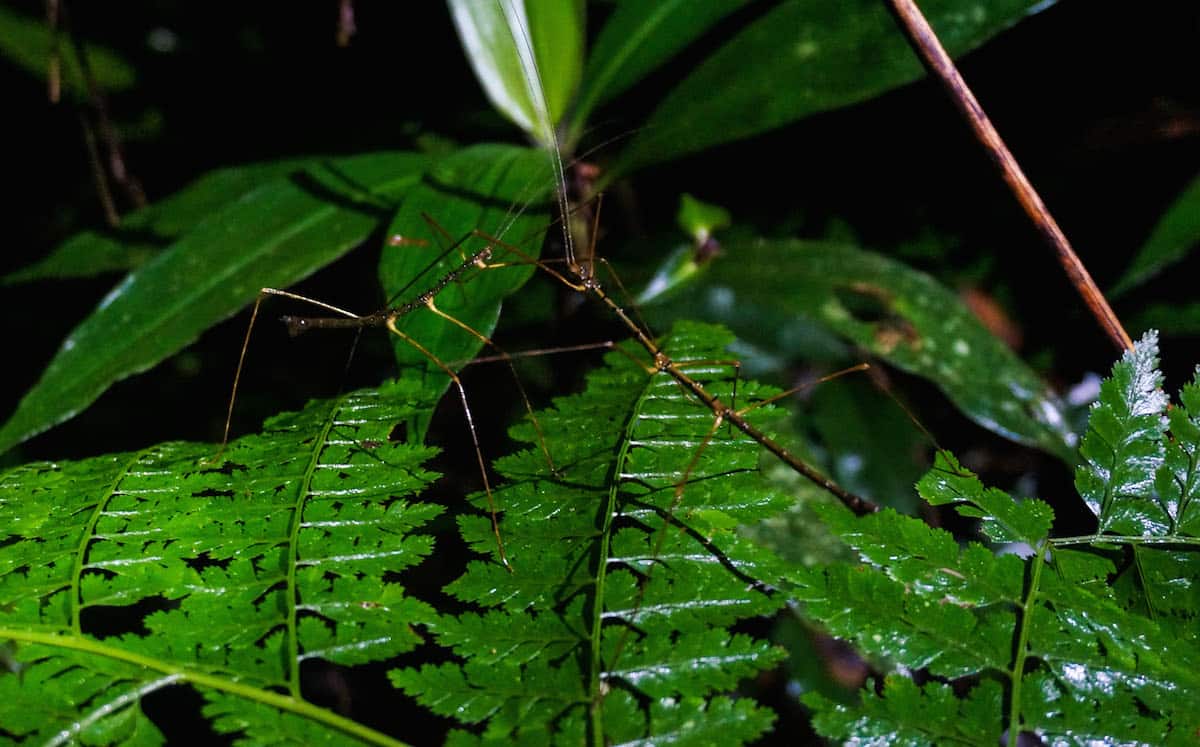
point(462, 394)
point(237, 376)
point(807, 385)
point(508, 360)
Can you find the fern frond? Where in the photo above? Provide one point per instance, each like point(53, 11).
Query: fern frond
point(1057, 643)
point(1123, 447)
point(615, 622)
point(122, 575)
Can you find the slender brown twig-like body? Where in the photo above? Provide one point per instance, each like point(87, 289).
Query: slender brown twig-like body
point(387, 318)
point(931, 52)
point(581, 278)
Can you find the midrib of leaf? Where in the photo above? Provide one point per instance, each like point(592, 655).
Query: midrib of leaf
point(85, 540)
point(596, 666)
point(175, 674)
point(1126, 539)
point(1018, 669)
point(302, 493)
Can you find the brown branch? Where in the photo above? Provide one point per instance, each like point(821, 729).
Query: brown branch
point(930, 50)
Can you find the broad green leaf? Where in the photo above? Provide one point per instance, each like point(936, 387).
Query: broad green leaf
point(273, 236)
point(286, 548)
point(1123, 447)
point(877, 451)
point(626, 569)
point(892, 311)
point(636, 40)
point(557, 30)
point(25, 41)
point(801, 58)
point(529, 79)
point(1171, 240)
point(501, 191)
point(144, 232)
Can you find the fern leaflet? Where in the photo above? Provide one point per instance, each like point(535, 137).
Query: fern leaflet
point(125, 574)
point(614, 627)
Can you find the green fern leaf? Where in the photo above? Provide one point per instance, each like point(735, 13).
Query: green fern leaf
point(1178, 480)
point(614, 623)
point(1058, 643)
point(913, 715)
point(280, 552)
point(1123, 447)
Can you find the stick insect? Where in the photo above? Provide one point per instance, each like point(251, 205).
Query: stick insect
point(446, 273)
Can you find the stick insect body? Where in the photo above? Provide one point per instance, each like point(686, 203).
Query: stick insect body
point(387, 317)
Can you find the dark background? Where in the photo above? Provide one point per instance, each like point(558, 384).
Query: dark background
point(1098, 100)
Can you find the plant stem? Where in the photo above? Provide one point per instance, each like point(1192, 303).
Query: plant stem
point(178, 674)
point(931, 52)
point(1088, 539)
point(1018, 670)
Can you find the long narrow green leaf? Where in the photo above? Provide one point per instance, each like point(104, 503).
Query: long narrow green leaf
point(514, 67)
point(499, 190)
point(1174, 236)
point(637, 39)
point(274, 236)
point(284, 549)
point(903, 316)
point(802, 58)
point(145, 232)
point(613, 625)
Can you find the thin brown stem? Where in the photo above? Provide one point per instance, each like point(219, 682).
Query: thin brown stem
point(108, 133)
point(931, 52)
point(54, 62)
point(99, 175)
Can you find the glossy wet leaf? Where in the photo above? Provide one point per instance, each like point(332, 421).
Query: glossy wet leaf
point(502, 191)
point(1100, 652)
point(908, 714)
point(1089, 668)
point(557, 30)
point(1172, 239)
point(147, 231)
point(497, 190)
point(599, 594)
point(801, 58)
point(25, 41)
point(890, 310)
point(1123, 448)
point(285, 549)
point(528, 78)
point(637, 39)
point(275, 235)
